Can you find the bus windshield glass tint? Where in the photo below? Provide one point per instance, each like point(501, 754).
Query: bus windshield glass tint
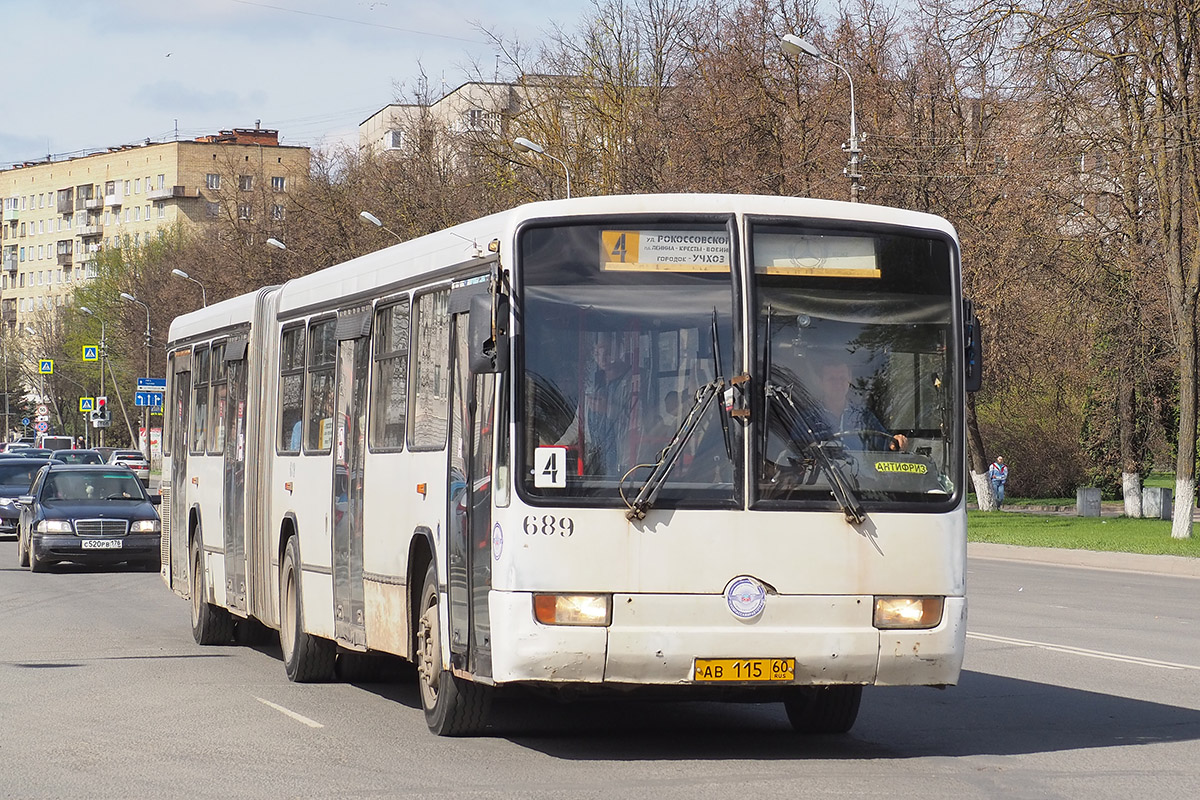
point(855, 347)
point(622, 325)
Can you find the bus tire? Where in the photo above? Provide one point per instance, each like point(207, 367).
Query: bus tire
point(453, 706)
point(822, 709)
point(306, 658)
point(210, 624)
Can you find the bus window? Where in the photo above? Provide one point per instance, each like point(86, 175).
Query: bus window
point(389, 388)
point(219, 382)
point(322, 351)
point(199, 400)
point(431, 373)
point(291, 389)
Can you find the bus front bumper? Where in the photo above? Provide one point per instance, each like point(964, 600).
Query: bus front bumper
point(656, 639)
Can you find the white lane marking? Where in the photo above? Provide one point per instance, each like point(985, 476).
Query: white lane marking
point(312, 723)
point(1080, 651)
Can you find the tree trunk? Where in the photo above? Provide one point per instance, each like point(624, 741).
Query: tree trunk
point(977, 464)
point(1131, 479)
point(1185, 458)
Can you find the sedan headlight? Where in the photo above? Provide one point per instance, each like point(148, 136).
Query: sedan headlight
point(913, 613)
point(54, 526)
point(144, 526)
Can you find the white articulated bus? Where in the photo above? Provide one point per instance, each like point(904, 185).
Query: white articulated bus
point(710, 445)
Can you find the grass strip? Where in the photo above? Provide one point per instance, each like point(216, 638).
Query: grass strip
point(1112, 534)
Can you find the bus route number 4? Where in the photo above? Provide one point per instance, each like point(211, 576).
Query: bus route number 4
point(550, 467)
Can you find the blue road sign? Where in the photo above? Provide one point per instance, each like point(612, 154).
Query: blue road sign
point(152, 384)
point(91, 352)
point(25, 420)
point(154, 399)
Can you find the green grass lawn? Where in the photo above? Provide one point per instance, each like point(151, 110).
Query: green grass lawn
point(1117, 534)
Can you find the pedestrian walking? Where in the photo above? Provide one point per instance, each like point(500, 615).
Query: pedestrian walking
point(998, 475)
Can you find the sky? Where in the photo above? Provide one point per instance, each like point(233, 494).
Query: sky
point(82, 75)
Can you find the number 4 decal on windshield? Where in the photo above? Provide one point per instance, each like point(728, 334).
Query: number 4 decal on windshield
point(550, 467)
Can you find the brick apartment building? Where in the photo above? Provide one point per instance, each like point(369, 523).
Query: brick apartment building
point(59, 213)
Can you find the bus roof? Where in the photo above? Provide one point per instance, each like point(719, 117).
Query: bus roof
point(462, 243)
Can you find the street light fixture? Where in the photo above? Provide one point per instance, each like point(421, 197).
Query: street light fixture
point(523, 145)
point(103, 356)
point(276, 243)
point(185, 276)
point(145, 409)
point(374, 220)
point(796, 46)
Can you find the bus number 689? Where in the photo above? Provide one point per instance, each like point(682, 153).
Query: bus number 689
point(549, 525)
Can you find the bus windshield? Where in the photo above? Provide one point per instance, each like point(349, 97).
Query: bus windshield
point(623, 326)
point(857, 358)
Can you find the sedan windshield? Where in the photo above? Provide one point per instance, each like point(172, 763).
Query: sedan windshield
point(91, 485)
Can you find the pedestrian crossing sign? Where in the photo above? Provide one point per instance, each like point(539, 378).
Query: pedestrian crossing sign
point(91, 352)
point(87, 404)
point(46, 366)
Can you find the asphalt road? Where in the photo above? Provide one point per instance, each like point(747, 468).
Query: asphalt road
point(1079, 683)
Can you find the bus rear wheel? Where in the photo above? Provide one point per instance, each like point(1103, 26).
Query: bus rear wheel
point(453, 706)
point(822, 709)
point(306, 658)
point(210, 624)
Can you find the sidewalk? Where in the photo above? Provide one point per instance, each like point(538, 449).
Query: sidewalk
point(1178, 566)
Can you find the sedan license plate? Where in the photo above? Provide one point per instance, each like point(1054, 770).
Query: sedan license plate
point(101, 544)
point(743, 670)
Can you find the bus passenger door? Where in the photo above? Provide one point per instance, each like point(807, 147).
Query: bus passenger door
point(469, 518)
point(180, 406)
point(235, 475)
point(349, 450)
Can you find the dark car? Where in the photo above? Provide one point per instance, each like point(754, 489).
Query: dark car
point(78, 456)
point(16, 476)
point(88, 514)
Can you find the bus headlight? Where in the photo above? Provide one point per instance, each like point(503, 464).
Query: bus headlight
point(913, 613)
point(572, 609)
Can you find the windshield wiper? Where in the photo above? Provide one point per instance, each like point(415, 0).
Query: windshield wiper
point(796, 424)
point(670, 454)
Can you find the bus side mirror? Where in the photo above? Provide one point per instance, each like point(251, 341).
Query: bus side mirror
point(972, 348)
point(488, 342)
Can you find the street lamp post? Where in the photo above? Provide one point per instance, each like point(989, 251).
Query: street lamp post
point(203, 294)
point(523, 145)
point(796, 46)
point(145, 409)
point(7, 426)
point(276, 243)
point(103, 356)
point(378, 223)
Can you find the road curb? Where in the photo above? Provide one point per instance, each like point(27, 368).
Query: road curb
point(1179, 566)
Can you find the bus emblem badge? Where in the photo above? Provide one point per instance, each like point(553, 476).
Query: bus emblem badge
point(746, 597)
point(497, 541)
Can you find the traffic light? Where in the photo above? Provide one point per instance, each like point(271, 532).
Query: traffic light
point(100, 413)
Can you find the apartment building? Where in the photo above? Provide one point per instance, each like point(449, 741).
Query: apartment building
point(58, 214)
point(472, 107)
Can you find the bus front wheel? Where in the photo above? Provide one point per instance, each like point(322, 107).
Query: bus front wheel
point(822, 709)
point(453, 706)
point(306, 658)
